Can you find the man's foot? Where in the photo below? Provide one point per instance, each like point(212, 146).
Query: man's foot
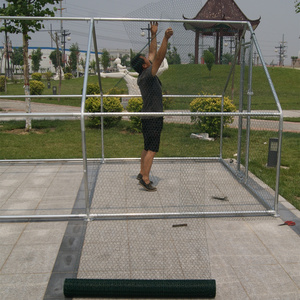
point(148, 187)
point(140, 176)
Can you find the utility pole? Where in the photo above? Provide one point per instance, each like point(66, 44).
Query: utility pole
point(56, 40)
point(51, 35)
point(65, 33)
point(281, 51)
point(61, 22)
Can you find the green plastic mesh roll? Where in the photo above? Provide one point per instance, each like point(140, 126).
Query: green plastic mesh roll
point(138, 288)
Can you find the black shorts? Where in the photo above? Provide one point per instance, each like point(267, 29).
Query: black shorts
point(151, 131)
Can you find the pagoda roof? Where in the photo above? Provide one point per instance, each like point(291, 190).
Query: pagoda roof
point(225, 10)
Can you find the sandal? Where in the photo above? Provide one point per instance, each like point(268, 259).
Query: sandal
point(140, 176)
point(148, 187)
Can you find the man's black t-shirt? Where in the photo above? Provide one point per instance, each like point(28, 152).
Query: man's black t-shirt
point(151, 91)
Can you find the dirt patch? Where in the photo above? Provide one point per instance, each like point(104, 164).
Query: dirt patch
point(23, 132)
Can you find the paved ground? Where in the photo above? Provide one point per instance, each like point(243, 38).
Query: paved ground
point(14, 106)
point(250, 258)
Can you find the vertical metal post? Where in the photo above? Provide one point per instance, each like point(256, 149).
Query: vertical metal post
point(280, 120)
point(249, 93)
point(84, 154)
point(231, 73)
point(100, 86)
point(278, 164)
point(222, 125)
point(240, 126)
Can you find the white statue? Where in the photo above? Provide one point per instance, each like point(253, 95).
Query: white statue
point(129, 77)
point(59, 69)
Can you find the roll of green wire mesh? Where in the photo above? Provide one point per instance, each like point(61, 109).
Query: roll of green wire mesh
point(139, 288)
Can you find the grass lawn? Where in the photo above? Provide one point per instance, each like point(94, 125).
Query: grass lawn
point(62, 139)
point(192, 79)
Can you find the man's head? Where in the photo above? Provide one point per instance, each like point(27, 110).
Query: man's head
point(139, 63)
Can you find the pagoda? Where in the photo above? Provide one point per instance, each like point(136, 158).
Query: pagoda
point(216, 10)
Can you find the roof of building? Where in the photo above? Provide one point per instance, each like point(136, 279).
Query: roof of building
point(225, 10)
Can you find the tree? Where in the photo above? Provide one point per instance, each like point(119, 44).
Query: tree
point(297, 6)
point(294, 60)
point(212, 50)
point(53, 57)
point(192, 58)
point(105, 59)
point(73, 59)
point(29, 8)
point(125, 60)
point(93, 66)
point(172, 56)
point(227, 58)
point(208, 59)
point(36, 57)
point(17, 57)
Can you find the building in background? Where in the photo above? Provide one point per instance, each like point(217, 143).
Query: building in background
point(46, 63)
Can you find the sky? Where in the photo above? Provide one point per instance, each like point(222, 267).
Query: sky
point(279, 23)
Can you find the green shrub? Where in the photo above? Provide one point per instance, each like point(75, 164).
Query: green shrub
point(116, 91)
point(2, 83)
point(92, 89)
point(110, 104)
point(48, 75)
point(135, 105)
point(209, 59)
point(167, 101)
point(68, 76)
point(36, 87)
point(36, 76)
point(211, 125)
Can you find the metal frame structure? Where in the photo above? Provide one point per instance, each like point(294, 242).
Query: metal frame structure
point(243, 176)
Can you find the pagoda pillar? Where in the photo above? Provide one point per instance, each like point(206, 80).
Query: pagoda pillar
point(197, 47)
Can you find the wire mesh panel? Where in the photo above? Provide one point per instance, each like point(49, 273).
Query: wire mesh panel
point(185, 180)
point(192, 188)
point(145, 249)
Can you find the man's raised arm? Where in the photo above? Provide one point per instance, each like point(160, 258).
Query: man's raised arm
point(153, 43)
point(161, 53)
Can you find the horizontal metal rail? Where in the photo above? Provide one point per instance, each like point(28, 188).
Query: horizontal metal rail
point(107, 96)
point(26, 218)
point(99, 19)
point(132, 216)
point(141, 114)
point(135, 216)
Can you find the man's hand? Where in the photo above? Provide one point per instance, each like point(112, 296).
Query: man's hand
point(168, 33)
point(154, 27)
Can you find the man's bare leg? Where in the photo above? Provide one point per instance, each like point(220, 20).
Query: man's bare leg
point(144, 152)
point(146, 161)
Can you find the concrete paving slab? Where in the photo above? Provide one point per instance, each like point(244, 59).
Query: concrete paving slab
point(23, 286)
point(55, 206)
point(30, 259)
point(41, 233)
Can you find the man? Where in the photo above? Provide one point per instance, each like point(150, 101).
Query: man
point(151, 91)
